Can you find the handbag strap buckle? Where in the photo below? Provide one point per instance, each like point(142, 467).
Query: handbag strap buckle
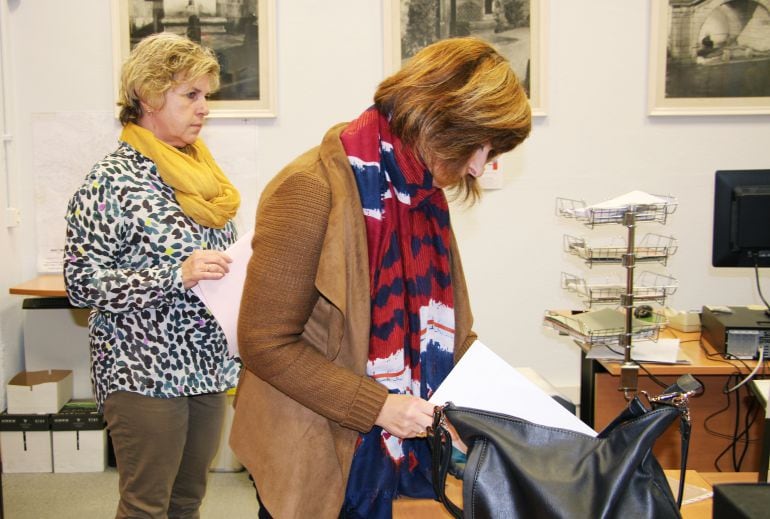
point(678, 395)
point(439, 419)
point(680, 401)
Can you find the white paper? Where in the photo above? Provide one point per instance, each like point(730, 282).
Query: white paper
point(629, 199)
point(50, 261)
point(484, 380)
point(662, 351)
point(223, 296)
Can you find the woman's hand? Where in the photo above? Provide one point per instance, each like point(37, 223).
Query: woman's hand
point(204, 264)
point(405, 416)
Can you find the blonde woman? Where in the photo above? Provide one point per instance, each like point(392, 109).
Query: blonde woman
point(149, 222)
point(355, 306)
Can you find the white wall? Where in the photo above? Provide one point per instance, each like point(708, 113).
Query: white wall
point(596, 142)
point(11, 238)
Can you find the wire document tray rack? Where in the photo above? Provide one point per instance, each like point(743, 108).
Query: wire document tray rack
point(652, 248)
point(628, 210)
point(656, 209)
point(606, 326)
point(648, 287)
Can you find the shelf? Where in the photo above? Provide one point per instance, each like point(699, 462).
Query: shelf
point(652, 248)
point(605, 326)
point(649, 208)
point(648, 287)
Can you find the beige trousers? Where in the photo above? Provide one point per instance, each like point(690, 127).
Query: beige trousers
point(163, 450)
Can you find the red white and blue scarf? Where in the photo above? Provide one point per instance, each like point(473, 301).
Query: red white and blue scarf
point(412, 333)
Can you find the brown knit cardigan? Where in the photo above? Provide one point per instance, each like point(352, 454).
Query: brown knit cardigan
point(303, 336)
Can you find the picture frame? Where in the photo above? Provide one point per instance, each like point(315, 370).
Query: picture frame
point(523, 44)
point(708, 59)
point(241, 34)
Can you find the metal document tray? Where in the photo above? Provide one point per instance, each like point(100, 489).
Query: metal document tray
point(652, 248)
point(648, 287)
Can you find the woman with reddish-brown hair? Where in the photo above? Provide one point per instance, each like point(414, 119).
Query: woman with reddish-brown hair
point(355, 306)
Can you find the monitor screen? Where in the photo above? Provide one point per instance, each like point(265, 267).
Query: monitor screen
point(741, 219)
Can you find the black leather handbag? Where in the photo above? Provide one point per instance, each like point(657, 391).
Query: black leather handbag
point(517, 468)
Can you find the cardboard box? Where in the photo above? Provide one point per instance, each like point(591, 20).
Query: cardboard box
point(56, 336)
point(25, 441)
point(79, 438)
point(39, 392)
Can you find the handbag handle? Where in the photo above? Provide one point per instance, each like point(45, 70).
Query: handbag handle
point(678, 395)
point(441, 445)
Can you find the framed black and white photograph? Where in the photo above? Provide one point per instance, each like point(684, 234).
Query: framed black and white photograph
point(240, 32)
point(710, 57)
point(514, 27)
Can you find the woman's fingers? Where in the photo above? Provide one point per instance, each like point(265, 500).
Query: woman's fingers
point(204, 264)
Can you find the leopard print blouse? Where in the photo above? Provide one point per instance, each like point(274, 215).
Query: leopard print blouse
point(125, 243)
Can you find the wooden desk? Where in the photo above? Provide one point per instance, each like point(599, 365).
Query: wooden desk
point(407, 508)
point(703, 361)
point(55, 332)
point(46, 285)
point(601, 402)
point(761, 389)
point(704, 509)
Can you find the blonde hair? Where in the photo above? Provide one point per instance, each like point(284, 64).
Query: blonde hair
point(453, 97)
point(158, 63)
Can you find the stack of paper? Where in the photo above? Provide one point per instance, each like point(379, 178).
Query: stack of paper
point(603, 325)
point(662, 351)
point(644, 206)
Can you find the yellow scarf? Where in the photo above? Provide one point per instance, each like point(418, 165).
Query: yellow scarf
point(201, 188)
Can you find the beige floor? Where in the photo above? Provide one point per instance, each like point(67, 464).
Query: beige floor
point(94, 496)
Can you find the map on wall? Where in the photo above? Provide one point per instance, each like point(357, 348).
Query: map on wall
point(65, 146)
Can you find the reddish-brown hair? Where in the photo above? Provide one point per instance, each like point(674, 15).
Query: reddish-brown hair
point(453, 97)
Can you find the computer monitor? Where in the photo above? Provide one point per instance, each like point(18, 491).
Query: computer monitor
point(741, 218)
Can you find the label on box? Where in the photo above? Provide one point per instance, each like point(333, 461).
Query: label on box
point(24, 422)
point(72, 422)
point(78, 415)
